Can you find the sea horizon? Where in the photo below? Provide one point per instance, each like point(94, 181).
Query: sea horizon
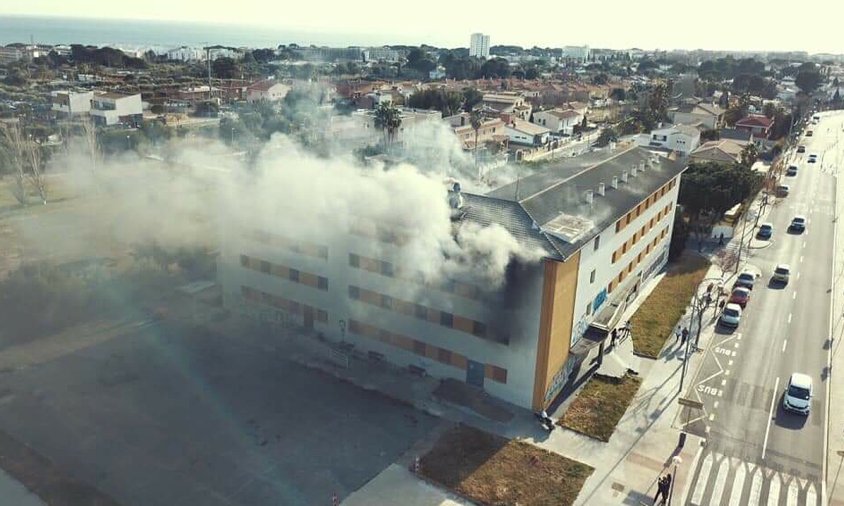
point(54, 30)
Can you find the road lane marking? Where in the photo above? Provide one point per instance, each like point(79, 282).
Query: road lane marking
point(804, 244)
point(770, 417)
point(712, 417)
point(794, 295)
point(730, 362)
point(738, 485)
point(811, 496)
point(793, 492)
point(723, 382)
point(789, 317)
point(774, 490)
point(755, 487)
point(784, 342)
point(720, 481)
point(801, 259)
point(702, 480)
point(715, 405)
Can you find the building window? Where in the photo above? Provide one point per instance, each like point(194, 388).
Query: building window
point(499, 374)
point(386, 302)
point(597, 243)
point(322, 283)
point(322, 316)
point(419, 348)
point(444, 355)
point(354, 292)
point(354, 260)
point(588, 308)
point(244, 261)
point(446, 319)
point(265, 267)
point(387, 269)
point(421, 312)
point(478, 329)
point(322, 252)
point(592, 276)
point(293, 274)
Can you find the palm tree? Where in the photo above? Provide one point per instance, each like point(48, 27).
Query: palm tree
point(475, 121)
point(388, 119)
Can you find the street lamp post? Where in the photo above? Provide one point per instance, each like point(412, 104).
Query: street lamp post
point(129, 142)
point(677, 461)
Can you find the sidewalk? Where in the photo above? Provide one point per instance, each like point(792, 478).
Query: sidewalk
point(14, 493)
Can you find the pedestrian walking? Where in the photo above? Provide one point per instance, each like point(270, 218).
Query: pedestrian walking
point(614, 337)
point(662, 488)
point(685, 335)
point(677, 332)
point(721, 239)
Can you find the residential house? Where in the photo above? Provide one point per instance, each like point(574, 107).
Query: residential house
point(71, 103)
point(721, 151)
point(709, 115)
point(601, 223)
point(490, 130)
point(115, 108)
point(680, 138)
point(740, 136)
point(10, 54)
point(267, 90)
point(758, 125)
point(507, 105)
point(559, 121)
point(526, 133)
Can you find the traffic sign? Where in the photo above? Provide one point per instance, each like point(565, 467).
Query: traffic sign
point(690, 403)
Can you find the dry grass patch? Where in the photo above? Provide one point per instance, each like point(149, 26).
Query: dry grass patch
point(600, 405)
point(655, 320)
point(492, 470)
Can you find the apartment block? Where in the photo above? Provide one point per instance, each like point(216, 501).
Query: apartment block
point(599, 226)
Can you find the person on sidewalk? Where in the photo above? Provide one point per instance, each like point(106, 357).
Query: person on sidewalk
point(721, 239)
point(677, 333)
point(685, 335)
point(662, 487)
point(614, 337)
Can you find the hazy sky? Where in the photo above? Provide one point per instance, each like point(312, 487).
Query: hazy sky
point(813, 25)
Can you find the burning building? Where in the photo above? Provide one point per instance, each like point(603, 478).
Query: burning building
point(526, 279)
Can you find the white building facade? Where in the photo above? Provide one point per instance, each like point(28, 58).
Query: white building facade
point(70, 103)
point(479, 45)
point(114, 108)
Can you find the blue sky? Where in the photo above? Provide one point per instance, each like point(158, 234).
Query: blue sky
point(711, 24)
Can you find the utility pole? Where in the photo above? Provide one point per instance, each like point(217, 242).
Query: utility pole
point(741, 240)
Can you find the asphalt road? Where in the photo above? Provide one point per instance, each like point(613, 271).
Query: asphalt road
point(756, 453)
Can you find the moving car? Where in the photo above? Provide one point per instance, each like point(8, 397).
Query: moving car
point(813, 158)
point(740, 296)
point(798, 224)
point(731, 316)
point(781, 273)
point(808, 133)
point(766, 230)
point(782, 190)
point(791, 171)
point(798, 394)
point(745, 280)
point(801, 149)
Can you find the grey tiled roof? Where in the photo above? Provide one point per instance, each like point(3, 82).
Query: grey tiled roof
point(549, 209)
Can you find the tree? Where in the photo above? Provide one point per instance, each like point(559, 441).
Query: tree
point(749, 155)
point(710, 135)
point(769, 110)
point(618, 94)
point(224, 68)
point(475, 120)
point(808, 79)
point(447, 102)
point(14, 139)
point(600, 79)
point(388, 119)
point(606, 136)
point(471, 97)
point(679, 237)
point(89, 135)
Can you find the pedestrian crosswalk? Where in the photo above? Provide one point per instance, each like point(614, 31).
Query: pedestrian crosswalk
point(722, 480)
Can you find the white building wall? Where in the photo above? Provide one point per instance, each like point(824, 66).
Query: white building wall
point(479, 45)
point(606, 271)
point(518, 357)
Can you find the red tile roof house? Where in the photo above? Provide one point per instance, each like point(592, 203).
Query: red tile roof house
point(758, 125)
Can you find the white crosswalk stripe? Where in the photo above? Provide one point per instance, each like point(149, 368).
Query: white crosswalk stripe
point(774, 490)
point(738, 485)
point(747, 484)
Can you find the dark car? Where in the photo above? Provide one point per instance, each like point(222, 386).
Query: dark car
point(809, 133)
point(745, 280)
point(798, 224)
point(740, 296)
point(801, 149)
point(766, 230)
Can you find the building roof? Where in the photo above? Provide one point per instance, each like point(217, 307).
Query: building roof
point(563, 114)
point(548, 209)
point(724, 150)
point(527, 127)
point(735, 135)
point(112, 95)
point(263, 85)
point(755, 120)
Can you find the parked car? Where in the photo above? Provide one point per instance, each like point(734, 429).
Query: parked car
point(798, 394)
point(801, 149)
point(740, 296)
point(813, 158)
point(783, 190)
point(808, 133)
point(731, 316)
point(745, 280)
point(766, 230)
point(781, 273)
point(798, 224)
point(791, 171)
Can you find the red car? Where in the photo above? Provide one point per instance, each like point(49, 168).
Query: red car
point(740, 296)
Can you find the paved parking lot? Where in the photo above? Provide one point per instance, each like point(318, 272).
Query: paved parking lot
point(161, 417)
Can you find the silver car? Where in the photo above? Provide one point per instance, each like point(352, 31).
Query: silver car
point(731, 316)
point(781, 273)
